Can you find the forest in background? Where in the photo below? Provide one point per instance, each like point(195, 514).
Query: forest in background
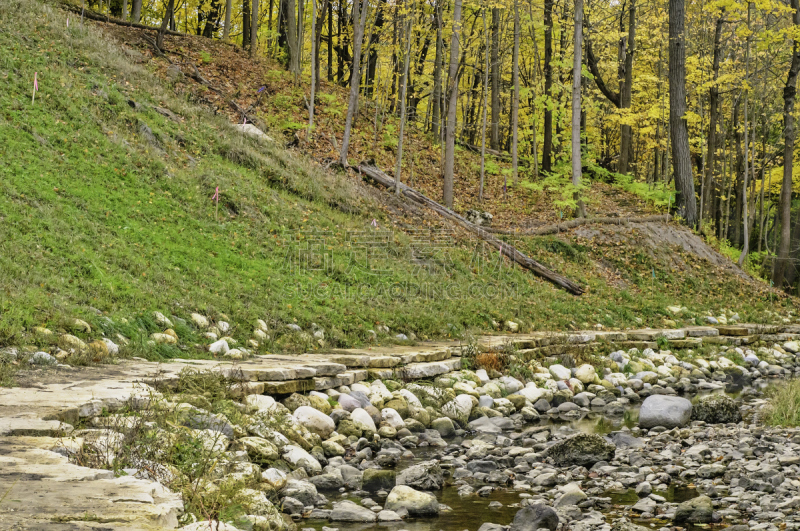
point(692, 96)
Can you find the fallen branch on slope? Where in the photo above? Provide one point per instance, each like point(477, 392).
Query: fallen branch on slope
point(507, 250)
point(91, 15)
point(571, 224)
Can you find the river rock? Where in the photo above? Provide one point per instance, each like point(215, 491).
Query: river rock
point(459, 409)
point(444, 426)
point(300, 490)
point(581, 449)
point(347, 402)
point(624, 525)
point(425, 476)
point(716, 409)
point(585, 373)
point(347, 511)
point(299, 458)
point(315, 421)
point(363, 420)
point(392, 418)
point(572, 495)
point(374, 480)
point(416, 503)
point(695, 511)
point(535, 517)
point(260, 451)
point(663, 410)
point(560, 372)
point(388, 516)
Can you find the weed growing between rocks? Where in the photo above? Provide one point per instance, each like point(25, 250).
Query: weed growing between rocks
point(181, 437)
point(784, 408)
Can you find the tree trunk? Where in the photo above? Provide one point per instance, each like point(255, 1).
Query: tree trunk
point(713, 101)
point(136, 11)
point(436, 120)
point(789, 92)
point(124, 9)
point(515, 101)
point(576, 107)
point(625, 90)
point(227, 30)
point(317, 36)
point(372, 46)
point(745, 221)
point(292, 38)
point(329, 3)
point(254, 29)
point(494, 142)
point(415, 95)
point(245, 23)
point(483, 107)
point(212, 20)
point(359, 22)
point(314, 67)
point(452, 102)
point(163, 28)
point(547, 141)
point(679, 131)
point(403, 100)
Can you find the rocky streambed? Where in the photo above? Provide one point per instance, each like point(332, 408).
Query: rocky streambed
point(659, 444)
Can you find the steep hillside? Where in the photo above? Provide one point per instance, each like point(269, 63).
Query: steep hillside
point(108, 179)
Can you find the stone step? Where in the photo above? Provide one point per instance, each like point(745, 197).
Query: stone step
point(33, 427)
point(418, 371)
point(701, 331)
point(652, 334)
point(732, 330)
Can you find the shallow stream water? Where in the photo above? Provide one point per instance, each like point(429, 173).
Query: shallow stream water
point(469, 513)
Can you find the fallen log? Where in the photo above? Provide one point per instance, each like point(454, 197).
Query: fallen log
point(92, 15)
point(505, 249)
point(571, 224)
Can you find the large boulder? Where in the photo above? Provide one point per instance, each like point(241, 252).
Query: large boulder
point(582, 449)
point(425, 476)
point(663, 410)
point(416, 503)
point(347, 511)
point(716, 409)
point(535, 517)
point(315, 421)
point(695, 511)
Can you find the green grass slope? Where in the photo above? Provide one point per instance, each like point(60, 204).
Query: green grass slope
point(106, 211)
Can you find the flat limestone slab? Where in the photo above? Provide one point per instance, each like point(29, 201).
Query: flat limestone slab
point(732, 330)
point(416, 371)
point(701, 331)
point(30, 425)
point(651, 334)
point(44, 491)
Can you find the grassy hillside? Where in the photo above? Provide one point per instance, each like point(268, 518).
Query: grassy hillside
point(106, 211)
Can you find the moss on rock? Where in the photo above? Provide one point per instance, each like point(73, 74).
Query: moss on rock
point(716, 409)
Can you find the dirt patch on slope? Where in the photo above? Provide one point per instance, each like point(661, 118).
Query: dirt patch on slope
point(658, 239)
